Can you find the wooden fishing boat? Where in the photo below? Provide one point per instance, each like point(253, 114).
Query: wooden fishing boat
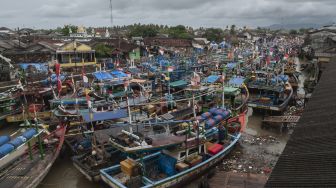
point(143, 143)
point(30, 169)
point(100, 155)
point(14, 146)
point(170, 167)
point(29, 116)
point(270, 94)
point(9, 103)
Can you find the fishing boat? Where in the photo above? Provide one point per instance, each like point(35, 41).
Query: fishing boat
point(269, 92)
point(31, 167)
point(91, 147)
point(171, 167)
point(100, 155)
point(14, 146)
point(150, 137)
point(9, 103)
point(21, 117)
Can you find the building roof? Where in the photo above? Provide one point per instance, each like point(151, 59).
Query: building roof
point(309, 158)
point(323, 30)
point(4, 28)
point(75, 46)
point(167, 42)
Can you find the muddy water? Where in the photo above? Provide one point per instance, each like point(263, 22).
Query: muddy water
point(64, 175)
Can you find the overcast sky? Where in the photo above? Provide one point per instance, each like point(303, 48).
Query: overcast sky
point(196, 13)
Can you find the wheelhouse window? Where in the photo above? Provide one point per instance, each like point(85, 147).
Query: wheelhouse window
point(202, 149)
point(192, 151)
point(182, 154)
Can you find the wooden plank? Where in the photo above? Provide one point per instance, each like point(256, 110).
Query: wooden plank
point(224, 179)
point(282, 119)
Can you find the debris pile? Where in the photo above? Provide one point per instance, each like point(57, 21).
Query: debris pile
point(253, 155)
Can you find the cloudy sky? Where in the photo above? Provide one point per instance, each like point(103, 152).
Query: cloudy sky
point(206, 13)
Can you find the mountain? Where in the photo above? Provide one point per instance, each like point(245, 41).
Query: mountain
point(297, 26)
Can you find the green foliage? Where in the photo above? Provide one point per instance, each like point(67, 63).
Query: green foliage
point(103, 51)
point(293, 32)
point(303, 31)
point(65, 29)
point(234, 41)
point(233, 30)
point(144, 31)
point(214, 34)
point(179, 31)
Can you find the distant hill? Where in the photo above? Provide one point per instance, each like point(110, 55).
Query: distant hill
point(297, 26)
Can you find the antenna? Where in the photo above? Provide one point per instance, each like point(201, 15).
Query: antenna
point(111, 16)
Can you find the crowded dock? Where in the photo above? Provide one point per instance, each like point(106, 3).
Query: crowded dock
point(149, 105)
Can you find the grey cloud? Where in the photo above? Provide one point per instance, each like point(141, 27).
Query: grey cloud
point(218, 13)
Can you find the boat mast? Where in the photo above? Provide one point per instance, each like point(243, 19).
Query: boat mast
point(128, 106)
point(223, 77)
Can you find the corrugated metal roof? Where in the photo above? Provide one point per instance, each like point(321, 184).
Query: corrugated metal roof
point(309, 158)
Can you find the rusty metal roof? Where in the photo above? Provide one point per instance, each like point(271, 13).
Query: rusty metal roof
point(309, 158)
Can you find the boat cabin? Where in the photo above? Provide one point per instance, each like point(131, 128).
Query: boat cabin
point(182, 154)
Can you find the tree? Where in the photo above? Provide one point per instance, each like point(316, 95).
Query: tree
point(65, 29)
point(143, 31)
point(233, 30)
point(293, 32)
point(214, 34)
point(103, 51)
point(179, 32)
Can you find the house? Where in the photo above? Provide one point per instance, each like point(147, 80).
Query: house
point(75, 54)
point(246, 35)
point(101, 33)
point(328, 51)
point(25, 32)
point(5, 45)
point(7, 72)
point(170, 44)
point(318, 37)
point(200, 43)
point(137, 40)
point(38, 52)
point(323, 43)
point(80, 33)
point(5, 30)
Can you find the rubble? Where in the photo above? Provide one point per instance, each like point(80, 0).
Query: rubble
point(252, 155)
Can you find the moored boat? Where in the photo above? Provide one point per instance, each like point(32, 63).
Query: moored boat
point(169, 167)
point(30, 168)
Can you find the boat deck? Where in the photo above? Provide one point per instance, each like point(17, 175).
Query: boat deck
point(24, 172)
point(164, 140)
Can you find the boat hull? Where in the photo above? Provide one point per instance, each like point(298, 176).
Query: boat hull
point(179, 178)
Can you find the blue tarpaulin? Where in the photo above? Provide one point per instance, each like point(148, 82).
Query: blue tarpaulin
point(179, 83)
point(212, 79)
point(118, 74)
point(283, 77)
point(101, 116)
point(102, 76)
point(236, 81)
point(69, 101)
point(41, 67)
point(231, 65)
point(53, 79)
